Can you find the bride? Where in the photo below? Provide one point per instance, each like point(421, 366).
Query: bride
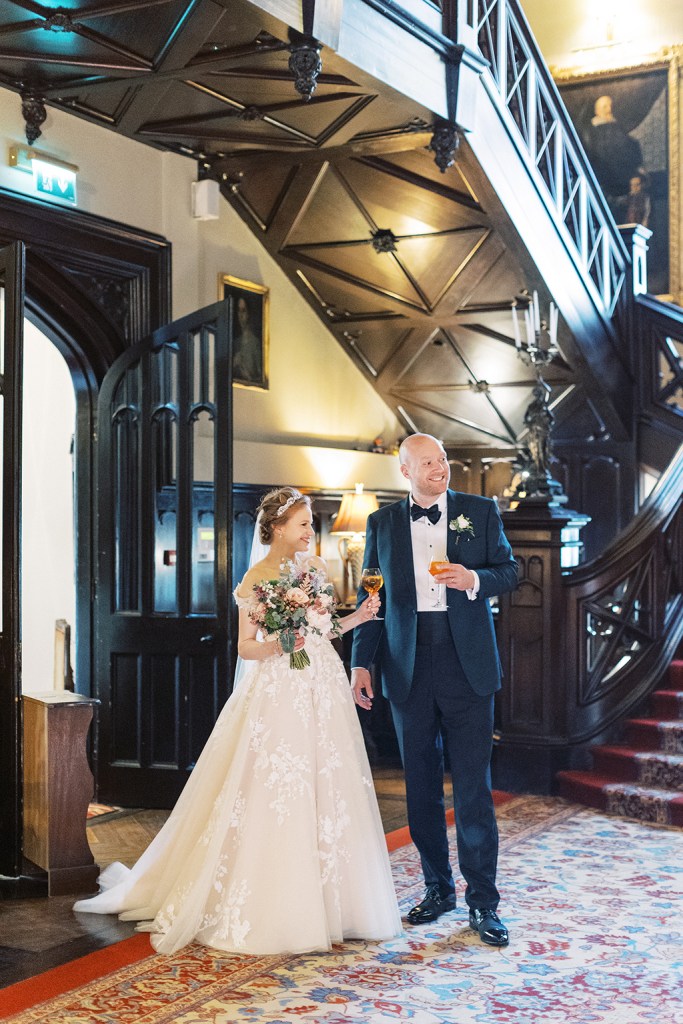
point(275, 844)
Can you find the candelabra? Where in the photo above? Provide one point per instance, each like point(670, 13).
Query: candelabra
point(537, 349)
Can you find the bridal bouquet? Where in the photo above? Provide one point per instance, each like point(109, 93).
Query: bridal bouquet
point(300, 601)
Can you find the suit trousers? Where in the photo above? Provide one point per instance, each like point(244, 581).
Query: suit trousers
point(443, 707)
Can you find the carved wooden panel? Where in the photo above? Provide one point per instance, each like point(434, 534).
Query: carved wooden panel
point(527, 652)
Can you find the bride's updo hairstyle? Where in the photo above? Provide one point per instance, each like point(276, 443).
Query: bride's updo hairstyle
point(276, 507)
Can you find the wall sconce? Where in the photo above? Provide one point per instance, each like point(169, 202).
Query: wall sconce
point(349, 526)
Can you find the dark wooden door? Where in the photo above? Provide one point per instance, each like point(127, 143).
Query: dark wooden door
point(12, 263)
point(163, 581)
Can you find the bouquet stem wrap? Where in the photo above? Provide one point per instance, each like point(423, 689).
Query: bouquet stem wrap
point(297, 659)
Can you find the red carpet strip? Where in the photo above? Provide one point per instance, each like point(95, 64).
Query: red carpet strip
point(79, 972)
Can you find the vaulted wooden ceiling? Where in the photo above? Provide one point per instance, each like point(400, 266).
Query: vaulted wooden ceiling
point(413, 270)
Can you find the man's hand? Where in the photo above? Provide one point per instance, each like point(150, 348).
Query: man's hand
point(456, 576)
point(361, 685)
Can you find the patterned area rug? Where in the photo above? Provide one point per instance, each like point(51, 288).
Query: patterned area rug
point(592, 902)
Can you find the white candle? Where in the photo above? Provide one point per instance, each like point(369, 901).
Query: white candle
point(515, 326)
point(554, 315)
point(537, 315)
point(530, 341)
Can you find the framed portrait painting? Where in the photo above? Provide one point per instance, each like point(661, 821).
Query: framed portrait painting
point(627, 121)
point(250, 340)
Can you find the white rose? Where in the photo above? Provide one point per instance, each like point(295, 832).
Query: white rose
point(319, 620)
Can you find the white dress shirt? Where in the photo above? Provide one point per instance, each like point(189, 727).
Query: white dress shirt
point(429, 541)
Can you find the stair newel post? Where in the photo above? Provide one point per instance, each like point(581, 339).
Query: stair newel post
point(636, 238)
point(533, 705)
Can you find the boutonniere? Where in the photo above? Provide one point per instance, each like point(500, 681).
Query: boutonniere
point(461, 526)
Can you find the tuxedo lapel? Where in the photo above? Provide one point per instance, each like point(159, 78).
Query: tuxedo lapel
point(403, 547)
point(459, 504)
point(454, 507)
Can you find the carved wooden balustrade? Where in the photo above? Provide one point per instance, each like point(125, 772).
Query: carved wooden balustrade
point(519, 82)
point(658, 364)
point(581, 649)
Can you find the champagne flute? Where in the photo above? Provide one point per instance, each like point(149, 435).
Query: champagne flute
point(372, 581)
point(437, 565)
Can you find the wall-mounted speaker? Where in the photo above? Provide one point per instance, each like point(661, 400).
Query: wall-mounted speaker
point(206, 196)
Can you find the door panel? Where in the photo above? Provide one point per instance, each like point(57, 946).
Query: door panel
point(12, 264)
point(163, 588)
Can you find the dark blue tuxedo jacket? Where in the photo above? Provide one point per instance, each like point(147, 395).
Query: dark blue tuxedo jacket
point(392, 642)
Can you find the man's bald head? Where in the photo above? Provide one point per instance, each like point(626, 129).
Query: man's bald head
point(413, 443)
point(424, 463)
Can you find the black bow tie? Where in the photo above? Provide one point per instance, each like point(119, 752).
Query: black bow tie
point(433, 514)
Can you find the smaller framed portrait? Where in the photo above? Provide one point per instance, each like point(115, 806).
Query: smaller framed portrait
point(250, 337)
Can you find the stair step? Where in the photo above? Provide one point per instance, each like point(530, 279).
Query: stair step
point(675, 675)
point(655, 734)
point(625, 799)
point(667, 704)
point(647, 768)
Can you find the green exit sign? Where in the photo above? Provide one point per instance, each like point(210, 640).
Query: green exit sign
point(54, 181)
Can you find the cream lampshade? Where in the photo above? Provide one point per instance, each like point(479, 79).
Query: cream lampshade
point(349, 526)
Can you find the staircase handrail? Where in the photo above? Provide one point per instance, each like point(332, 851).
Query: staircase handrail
point(662, 307)
point(537, 120)
point(658, 507)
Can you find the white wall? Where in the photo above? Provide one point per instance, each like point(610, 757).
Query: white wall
point(48, 589)
point(589, 35)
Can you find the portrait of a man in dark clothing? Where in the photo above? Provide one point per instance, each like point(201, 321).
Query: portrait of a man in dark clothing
point(615, 155)
point(622, 120)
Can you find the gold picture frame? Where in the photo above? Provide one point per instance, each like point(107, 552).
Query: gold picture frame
point(250, 330)
point(644, 105)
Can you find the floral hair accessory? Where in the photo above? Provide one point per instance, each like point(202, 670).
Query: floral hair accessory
point(283, 508)
point(461, 525)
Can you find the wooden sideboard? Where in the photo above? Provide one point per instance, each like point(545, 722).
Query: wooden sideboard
point(58, 786)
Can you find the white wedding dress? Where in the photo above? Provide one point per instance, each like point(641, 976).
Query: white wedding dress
point(276, 843)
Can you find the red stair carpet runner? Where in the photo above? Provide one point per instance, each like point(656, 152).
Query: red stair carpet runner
point(643, 778)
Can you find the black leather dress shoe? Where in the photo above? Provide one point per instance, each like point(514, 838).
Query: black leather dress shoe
point(432, 906)
point(491, 929)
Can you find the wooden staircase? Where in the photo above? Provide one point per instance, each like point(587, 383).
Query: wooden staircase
point(643, 777)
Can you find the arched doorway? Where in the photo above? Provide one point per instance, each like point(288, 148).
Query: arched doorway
point(152, 446)
point(93, 288)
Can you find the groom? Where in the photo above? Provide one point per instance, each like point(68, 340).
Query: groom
point(440, 670)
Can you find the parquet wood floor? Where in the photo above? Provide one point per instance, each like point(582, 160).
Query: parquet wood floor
point(37, 934)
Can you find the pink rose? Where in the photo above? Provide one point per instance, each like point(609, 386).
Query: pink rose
point(296, 596)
